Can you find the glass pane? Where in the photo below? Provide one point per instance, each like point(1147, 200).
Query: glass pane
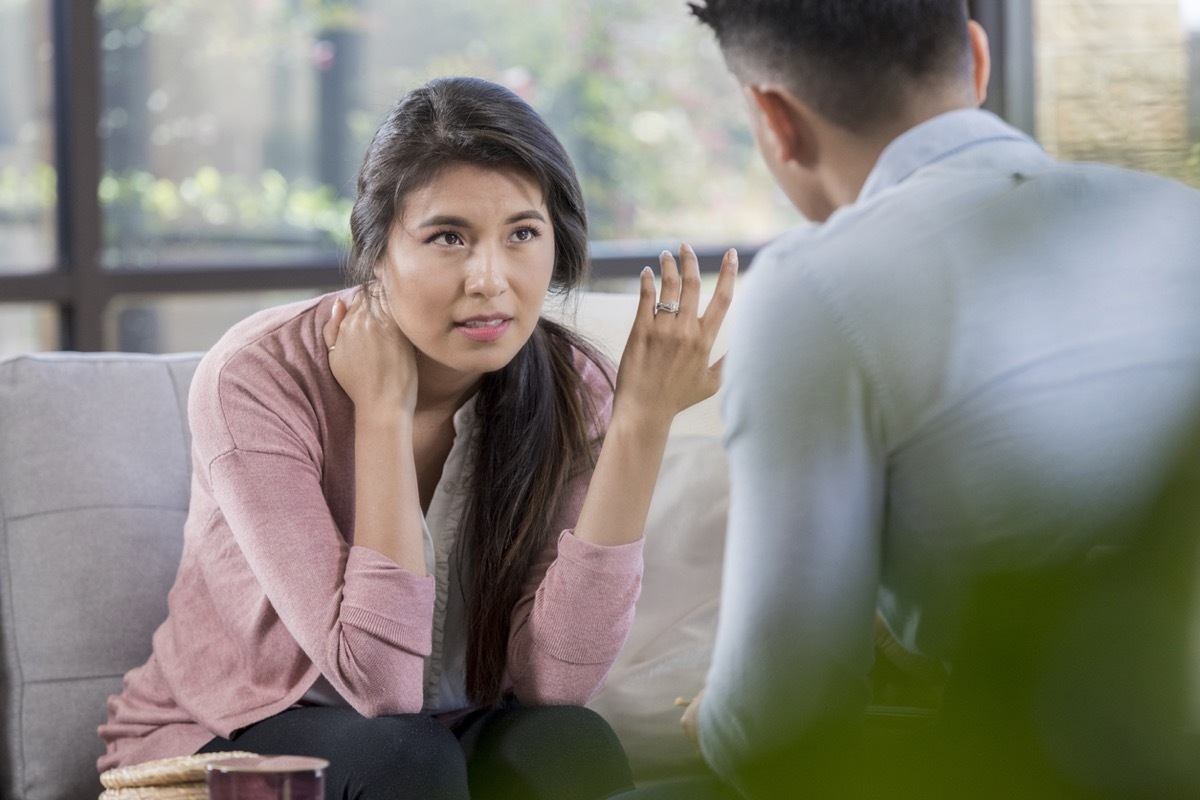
point(175, 323)
point(1120, 83)
point(233, 130)
point(27, 328)
point(27, 177)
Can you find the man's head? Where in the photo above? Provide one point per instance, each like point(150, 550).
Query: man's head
point(832, 82)
point(856, 63)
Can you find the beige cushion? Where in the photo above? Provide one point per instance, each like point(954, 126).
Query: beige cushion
point(606, 319)
point(670, 644)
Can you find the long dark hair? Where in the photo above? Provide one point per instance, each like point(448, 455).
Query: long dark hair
point(537, 428)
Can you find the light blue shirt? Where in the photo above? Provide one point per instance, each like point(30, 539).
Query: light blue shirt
point(979, 363)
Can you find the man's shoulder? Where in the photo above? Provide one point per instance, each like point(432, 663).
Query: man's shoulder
point(904, 221)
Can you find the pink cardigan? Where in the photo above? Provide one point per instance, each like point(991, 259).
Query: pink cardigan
point(270, 594)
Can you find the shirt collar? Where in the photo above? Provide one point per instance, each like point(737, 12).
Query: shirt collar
point(934, 140)
point(465, 417)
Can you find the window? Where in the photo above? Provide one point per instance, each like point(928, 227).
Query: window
point(232, 131)
point(194, 159)
point(1120, 83)
point(27, 178)
point(229, 134)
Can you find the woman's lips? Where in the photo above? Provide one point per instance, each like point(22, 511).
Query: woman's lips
point(484, 330)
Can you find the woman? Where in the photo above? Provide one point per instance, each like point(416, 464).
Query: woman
point(402, 553)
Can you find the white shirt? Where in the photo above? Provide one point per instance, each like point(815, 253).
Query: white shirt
point(978, 363)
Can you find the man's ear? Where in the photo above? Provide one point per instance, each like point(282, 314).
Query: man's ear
point(786, 120)
point(982, 59)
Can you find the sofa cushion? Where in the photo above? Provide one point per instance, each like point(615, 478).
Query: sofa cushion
point(93, 493)
point(670, 643)
point(605, 319)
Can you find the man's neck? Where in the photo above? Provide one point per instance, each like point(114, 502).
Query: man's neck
point(850, 156)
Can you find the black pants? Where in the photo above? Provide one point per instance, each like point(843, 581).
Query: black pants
point(554, 752)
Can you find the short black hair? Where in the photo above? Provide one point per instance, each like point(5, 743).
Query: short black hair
point(854, 61)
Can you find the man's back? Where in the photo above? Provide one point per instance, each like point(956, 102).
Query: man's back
point(1033, 331)
point(984, 364)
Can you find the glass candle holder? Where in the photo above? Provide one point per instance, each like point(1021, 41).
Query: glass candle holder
point(267, 778)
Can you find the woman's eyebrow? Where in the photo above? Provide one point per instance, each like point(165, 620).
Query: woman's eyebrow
point(444, 220)
point(532, 213)
point(449, 220)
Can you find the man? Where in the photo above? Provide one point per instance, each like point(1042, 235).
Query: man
point(975, 364)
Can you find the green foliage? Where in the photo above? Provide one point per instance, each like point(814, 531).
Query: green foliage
point(330, 15)
point(27, 192)
point(637, 92)
point(139, 205)
point(640, 97)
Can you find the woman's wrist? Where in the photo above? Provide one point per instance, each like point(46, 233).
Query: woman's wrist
point(643, 421)
point(381, 419)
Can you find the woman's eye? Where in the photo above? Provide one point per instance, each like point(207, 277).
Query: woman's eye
point(525, 234)
point(447, 237)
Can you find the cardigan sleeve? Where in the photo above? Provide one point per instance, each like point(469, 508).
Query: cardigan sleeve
point(361, 619)
point(577, 607)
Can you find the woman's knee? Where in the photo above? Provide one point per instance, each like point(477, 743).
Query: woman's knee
point(409, 734)
point(557, 727)
point(547, 752)
point(409, 755)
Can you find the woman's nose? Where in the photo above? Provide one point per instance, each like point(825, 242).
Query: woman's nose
point(485, 275)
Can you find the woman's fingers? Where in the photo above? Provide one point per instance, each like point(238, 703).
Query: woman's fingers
point(330, 329)
point(341, 315)
point(646, 296)
point(670, 278)
point(722, 296)
point(689, 293)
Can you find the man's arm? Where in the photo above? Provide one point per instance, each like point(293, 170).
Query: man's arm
point(794, 640)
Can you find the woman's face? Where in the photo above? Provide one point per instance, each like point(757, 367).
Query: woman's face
point(468, 264)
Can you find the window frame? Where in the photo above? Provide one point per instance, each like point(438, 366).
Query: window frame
point(82, 288)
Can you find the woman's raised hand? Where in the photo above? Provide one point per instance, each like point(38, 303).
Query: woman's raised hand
point(370, 357)
point(665, 367)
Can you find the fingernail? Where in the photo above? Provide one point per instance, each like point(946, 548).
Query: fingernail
point(646, 269)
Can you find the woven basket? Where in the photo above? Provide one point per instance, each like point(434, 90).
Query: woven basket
point(183, 791)
point(179, 778)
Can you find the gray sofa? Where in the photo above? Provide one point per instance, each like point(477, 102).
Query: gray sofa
point(94, 473)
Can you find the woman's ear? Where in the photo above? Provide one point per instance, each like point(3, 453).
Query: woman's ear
point(784, 120)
